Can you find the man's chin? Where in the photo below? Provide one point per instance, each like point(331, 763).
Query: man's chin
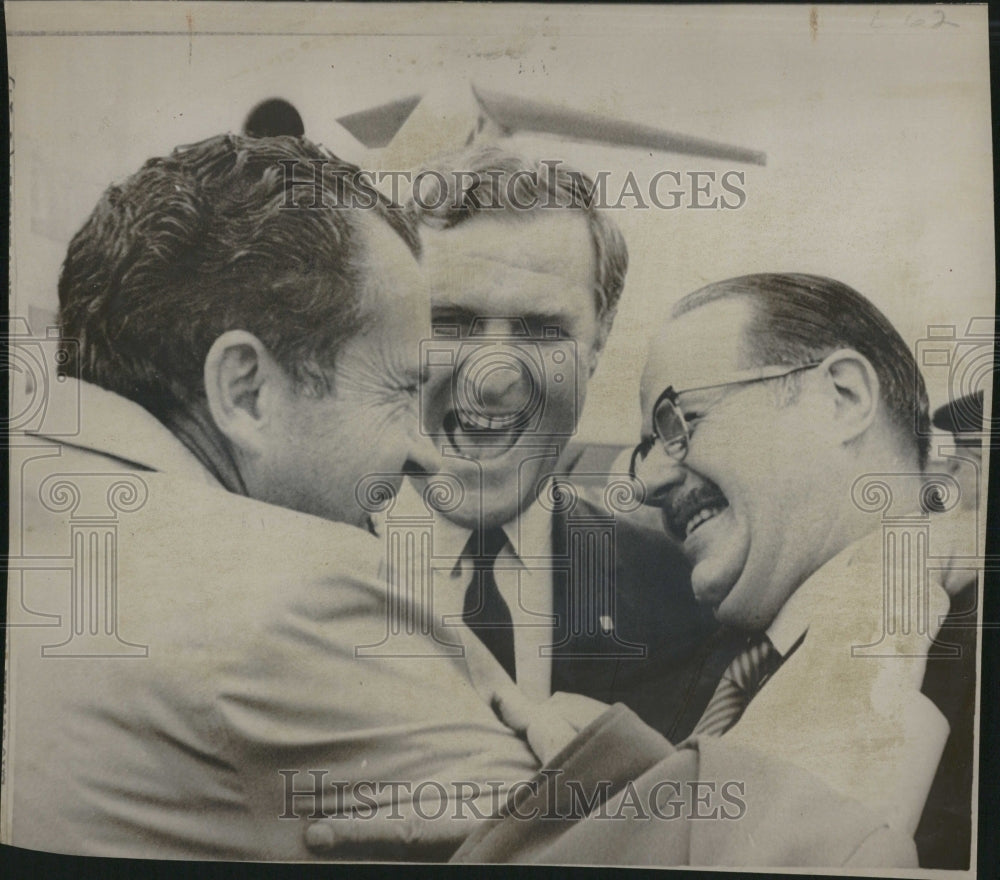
point(487, 494)
point(483, 509)
point(473, 519)
point(745, 608)
point(711, 591)
point(735, 613)
point(728, 616)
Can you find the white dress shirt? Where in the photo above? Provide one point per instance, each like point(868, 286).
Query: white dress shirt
point(523, 574)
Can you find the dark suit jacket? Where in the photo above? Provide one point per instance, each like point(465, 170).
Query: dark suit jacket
point(628, 627)
point(944, 835)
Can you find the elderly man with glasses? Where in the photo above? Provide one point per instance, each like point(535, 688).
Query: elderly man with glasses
point(782, 413)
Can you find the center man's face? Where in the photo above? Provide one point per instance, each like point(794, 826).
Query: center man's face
point(743, 502)
point(514, 343)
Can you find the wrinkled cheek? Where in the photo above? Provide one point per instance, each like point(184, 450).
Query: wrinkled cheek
point(434, 402)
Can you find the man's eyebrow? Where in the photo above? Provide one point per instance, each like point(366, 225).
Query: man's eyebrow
point(444, 314)
point(461, 311)
point(456, 312)
point(553, 318)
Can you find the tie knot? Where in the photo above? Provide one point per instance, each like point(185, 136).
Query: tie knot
point(753, 665)
point(483, 547)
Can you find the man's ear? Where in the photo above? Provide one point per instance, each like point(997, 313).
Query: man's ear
point(242, 381)
point(856, 393)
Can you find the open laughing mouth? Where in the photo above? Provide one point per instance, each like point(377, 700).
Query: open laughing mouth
point(482, 436)
point(689, 513)
point(701, 517)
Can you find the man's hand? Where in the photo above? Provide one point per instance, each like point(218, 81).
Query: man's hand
point(435, 831)
point(549, 726)
point(425, 832)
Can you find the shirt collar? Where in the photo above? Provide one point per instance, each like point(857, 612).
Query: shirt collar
point(529, 533)
point(793, 619)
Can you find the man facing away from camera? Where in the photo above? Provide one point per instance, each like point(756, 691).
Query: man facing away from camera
point(767, 400)
point(570, 596)
point(188, 682)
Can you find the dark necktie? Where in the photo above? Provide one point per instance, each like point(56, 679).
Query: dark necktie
point(739, 685)
point(485, 612)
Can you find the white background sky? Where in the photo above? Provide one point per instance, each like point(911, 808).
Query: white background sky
point(875, 121)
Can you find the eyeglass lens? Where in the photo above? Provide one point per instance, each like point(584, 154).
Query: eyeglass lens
point(671, 428)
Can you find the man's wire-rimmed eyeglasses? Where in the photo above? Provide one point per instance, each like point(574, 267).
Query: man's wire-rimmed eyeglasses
point(672, 429)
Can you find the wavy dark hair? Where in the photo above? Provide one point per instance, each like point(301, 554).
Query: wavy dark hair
point(212, 238)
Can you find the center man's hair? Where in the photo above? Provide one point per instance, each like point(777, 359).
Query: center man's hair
point(487, 181)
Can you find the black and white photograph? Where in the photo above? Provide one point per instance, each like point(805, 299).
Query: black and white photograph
point(499, 433)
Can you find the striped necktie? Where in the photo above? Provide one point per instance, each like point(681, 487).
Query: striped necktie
point(485, 612)
point(740, 683)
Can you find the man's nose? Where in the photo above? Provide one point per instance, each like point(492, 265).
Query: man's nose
point(423, 457)
point(502, 385)
point(658, 473)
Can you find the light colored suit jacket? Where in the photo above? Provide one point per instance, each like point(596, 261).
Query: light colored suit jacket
point(711, 803)
point(829, 766)
point(177, 651)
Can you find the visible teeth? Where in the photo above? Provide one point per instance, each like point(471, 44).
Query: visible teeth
point(483, 439)
point(483, 422)
point(700, 517)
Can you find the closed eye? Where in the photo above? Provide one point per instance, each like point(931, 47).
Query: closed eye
point(415, 381)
